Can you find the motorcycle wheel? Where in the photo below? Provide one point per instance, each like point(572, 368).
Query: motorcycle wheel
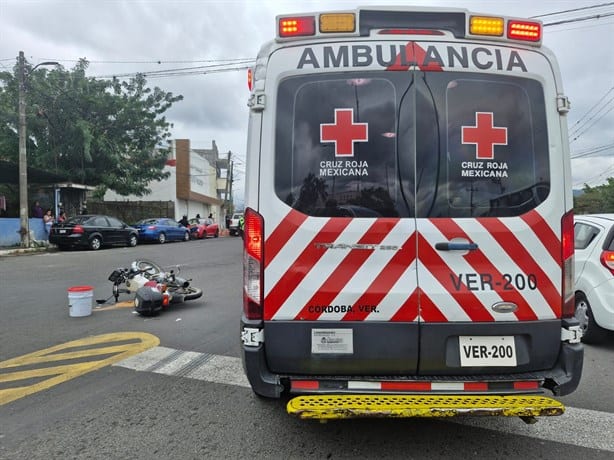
point(182, 294)
point(149, 268)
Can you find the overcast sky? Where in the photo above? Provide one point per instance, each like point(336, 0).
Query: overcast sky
point(126, 36)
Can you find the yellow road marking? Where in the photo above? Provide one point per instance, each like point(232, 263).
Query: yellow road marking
point(140, 341)
point(124, 304)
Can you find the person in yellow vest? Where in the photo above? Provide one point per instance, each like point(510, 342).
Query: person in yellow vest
point(241, 225)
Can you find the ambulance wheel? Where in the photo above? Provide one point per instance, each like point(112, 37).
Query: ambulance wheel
point(591, 331)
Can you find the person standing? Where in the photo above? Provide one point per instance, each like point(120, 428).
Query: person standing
point(48, 220)
point(37, 211)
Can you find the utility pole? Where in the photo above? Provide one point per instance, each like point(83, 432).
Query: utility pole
point(24, 224)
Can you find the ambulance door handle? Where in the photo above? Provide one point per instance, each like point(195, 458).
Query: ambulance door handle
point(455, 246)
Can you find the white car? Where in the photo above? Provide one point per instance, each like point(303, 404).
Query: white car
point(594, 274)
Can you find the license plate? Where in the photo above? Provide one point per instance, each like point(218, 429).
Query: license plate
point(487, 351)
point(61, 231)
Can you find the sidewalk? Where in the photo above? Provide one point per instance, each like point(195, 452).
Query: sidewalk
point(16, 250)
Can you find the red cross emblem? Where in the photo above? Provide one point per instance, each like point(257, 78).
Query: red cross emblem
point(484, 136)
point(344, 132)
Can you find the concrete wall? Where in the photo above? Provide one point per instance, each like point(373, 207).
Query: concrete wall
point(9, 230)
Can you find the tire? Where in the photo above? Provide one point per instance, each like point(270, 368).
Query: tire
point(192, 293)
point(186, 236)
point(133, 241)
point(95, 243)
point(591, 331)
point(183, 294)
point(149, 267)
point(217, 233)
point(161, 238)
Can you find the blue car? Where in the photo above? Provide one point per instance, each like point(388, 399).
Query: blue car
point(162, 230)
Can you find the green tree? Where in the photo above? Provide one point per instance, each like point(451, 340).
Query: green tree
point(106, 133)
point(599, 199)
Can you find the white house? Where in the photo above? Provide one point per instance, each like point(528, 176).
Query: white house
point(198, 182)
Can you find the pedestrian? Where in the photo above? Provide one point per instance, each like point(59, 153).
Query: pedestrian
point(62, 216)
point(209, 219)
point(48, 220)
point(37, 211)
point(184, 221)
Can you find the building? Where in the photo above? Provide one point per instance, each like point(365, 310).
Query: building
point(198, 182)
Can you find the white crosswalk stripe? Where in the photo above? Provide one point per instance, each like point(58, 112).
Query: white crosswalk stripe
point(579, 427)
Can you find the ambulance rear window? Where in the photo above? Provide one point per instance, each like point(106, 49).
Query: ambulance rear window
point(411, 144)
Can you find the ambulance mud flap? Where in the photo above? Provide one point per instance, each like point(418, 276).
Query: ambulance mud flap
point(328, 407)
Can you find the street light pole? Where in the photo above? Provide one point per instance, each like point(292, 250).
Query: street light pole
point(24, 224)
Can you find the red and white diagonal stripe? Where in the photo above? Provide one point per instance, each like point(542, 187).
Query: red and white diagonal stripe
point(302, 273)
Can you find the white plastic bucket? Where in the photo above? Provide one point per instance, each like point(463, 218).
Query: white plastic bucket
point(80, 300)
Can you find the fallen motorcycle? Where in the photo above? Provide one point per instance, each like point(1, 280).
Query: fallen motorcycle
point(154, 288)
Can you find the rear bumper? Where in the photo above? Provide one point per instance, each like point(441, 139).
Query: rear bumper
point(561, 374)
point(69, 240)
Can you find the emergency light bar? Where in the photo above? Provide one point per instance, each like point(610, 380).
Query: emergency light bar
point(461, 23)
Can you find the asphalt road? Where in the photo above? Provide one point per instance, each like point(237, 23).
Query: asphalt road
point(186, 397)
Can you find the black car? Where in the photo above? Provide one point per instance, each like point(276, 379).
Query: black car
point(92, 231)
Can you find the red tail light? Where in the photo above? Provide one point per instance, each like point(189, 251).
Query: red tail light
point(253, 264)
point(524, 30)
point(78, 229)
point(297, 26)
point(607, 260)
point(567, 240)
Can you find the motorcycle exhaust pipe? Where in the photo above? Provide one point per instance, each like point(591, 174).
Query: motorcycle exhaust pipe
point(182, 282)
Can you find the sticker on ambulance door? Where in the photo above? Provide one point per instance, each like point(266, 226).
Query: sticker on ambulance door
point(332, 341)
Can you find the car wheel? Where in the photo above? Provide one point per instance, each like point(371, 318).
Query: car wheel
point(132, 241)
point(186, 236)
point(161, 238)
point(95, 243)
point(591, 331)
point(217, 233)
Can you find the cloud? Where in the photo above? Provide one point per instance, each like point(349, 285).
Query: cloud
point(121, 37)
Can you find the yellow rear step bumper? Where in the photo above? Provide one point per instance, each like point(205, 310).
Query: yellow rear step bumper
point(325, 407)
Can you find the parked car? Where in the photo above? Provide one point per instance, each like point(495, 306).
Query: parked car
point(162, 230)
point(234, 223)
point(594, 274)
point(203, 228)
point(92, 231)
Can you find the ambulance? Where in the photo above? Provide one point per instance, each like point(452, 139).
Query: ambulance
point(408, 243)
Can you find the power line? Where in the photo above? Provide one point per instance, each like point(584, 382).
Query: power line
point(593, 178)
point(244, 64)
point(592, 116)
point(573, 10)
point(585, 18)
point(593, 151)
point(157, 61)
